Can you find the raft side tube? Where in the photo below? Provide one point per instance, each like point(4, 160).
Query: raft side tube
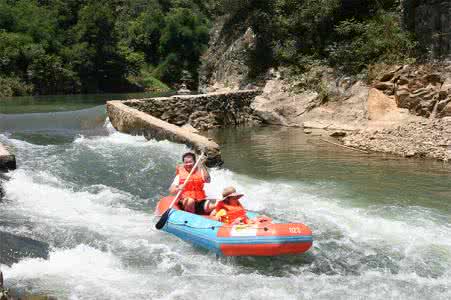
point(261, 239)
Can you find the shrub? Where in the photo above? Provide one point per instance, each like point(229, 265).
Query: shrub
point(379, 39)
point(13, 86)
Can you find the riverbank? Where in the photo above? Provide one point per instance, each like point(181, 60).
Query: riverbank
point(419, 139)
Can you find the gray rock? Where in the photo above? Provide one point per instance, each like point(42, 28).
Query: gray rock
point(7, 160)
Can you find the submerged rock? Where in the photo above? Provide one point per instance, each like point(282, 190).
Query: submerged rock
point(13, 248)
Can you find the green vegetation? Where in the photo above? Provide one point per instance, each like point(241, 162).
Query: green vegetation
point(348, 35)
point(81, 46)
point(73, 46)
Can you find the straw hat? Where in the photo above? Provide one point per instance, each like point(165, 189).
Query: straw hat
point(230, 192)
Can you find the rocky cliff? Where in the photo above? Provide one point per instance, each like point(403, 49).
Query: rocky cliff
point(224, 65)
point(430, 20)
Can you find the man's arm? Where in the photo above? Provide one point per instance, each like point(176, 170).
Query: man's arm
point(204, 172)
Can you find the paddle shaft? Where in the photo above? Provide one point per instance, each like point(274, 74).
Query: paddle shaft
point(164, 217)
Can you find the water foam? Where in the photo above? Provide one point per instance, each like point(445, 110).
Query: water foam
point(59, 205)
point(80, 273)
point(142, 263)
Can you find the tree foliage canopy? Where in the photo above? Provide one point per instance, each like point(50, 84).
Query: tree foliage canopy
point(70, 46)
point(346, 34)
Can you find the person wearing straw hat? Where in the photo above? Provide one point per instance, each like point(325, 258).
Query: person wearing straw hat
point(229, 209)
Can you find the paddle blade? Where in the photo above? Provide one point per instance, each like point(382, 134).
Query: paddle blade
point(164, 218)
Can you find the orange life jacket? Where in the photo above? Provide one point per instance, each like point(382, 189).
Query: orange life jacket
point(195, 186)
point(233, 212)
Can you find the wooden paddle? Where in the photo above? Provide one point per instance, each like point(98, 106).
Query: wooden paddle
point(164, 218)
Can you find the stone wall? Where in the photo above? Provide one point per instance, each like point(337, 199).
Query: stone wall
point(430, 20)
point(204, 111)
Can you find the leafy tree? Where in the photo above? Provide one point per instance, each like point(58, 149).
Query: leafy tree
point(12, 51)
point(143, 33)
point(50, 76)
point(100, 62)
point(183, 39)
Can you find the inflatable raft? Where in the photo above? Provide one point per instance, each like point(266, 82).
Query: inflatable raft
point(262, 239)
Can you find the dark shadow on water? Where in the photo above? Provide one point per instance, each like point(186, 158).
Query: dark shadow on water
point(278, 266)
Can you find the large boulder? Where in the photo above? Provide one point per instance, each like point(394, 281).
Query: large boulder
point(278, 105)
point(380, 104)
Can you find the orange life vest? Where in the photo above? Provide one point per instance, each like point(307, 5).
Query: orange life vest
point(195, 186)
point(233, 212)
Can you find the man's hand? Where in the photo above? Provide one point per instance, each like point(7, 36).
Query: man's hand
point(203, 161)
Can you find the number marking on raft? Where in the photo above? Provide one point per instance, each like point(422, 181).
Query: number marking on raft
point(243, 230)
point(294, 230)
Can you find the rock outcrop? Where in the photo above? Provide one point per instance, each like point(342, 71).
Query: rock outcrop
point(343, 104)
point(225, 64)
point(409, 109)
point(422, 89)
point(346, 110)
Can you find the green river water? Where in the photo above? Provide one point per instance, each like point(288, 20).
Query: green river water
point(381, 224)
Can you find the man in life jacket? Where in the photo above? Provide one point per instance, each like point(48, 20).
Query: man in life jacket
point(192, 198)
point(229, 209)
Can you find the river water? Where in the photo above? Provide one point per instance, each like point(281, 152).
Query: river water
point(381, 224)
